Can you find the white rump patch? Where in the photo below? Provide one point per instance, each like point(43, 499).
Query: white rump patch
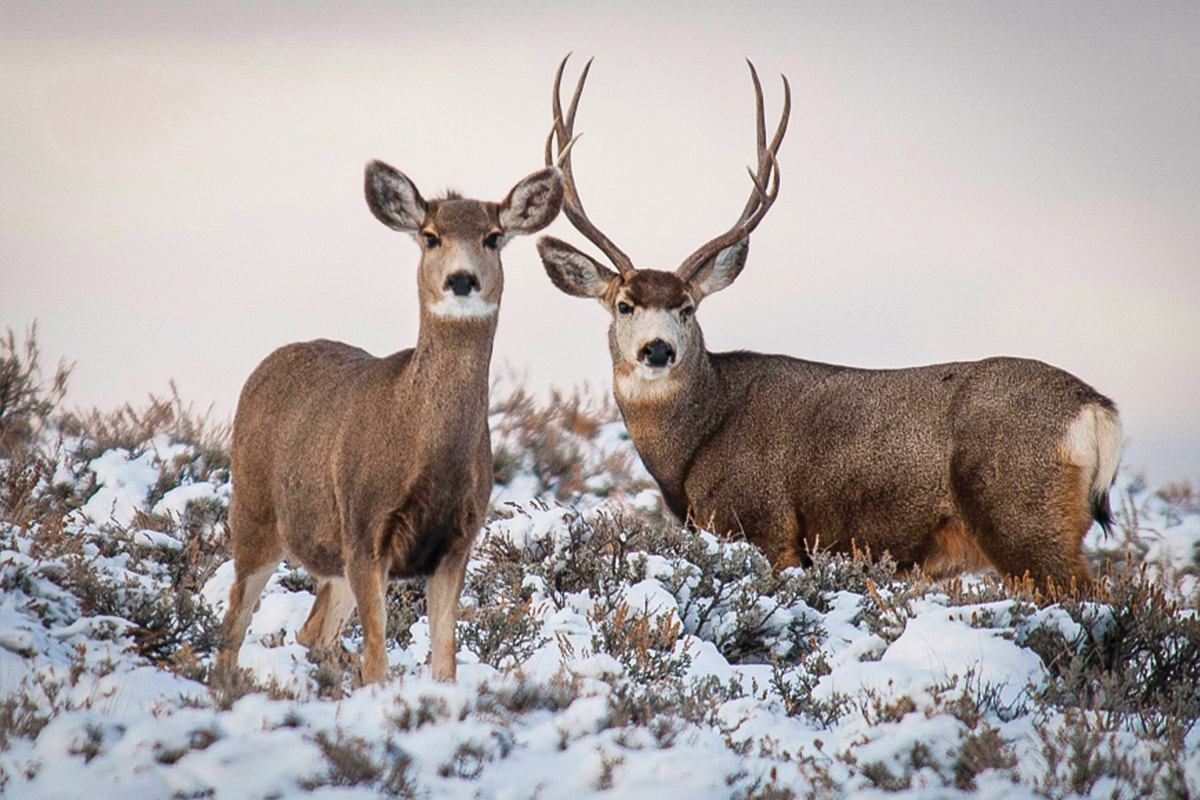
point(1093, 442)
point(472, 306)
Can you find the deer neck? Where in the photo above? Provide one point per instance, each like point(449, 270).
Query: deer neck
point(450, 363)
point(668, 423)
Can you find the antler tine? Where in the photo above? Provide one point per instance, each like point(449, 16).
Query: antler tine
point(765, 179)
point(758, 108)
point(551, 161)
point(572, 205)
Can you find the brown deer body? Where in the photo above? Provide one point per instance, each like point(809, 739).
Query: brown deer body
point(364, 468)
point(1003, 462)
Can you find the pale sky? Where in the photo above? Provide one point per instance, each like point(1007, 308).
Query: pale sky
point(181, 188)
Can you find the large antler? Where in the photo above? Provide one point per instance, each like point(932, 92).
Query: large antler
point(766, 185)
point(572, 206)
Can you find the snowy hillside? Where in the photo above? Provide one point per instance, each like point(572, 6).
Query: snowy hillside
point(603, 650)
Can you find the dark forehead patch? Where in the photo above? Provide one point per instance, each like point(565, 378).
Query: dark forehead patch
point(463, 217)
point(652, 288)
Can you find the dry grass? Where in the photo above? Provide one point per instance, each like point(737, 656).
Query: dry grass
point(553, 440)
point(132, 428)
point(27, 398)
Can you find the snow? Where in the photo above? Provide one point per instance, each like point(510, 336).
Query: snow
point(124, 483)
point(118, 726)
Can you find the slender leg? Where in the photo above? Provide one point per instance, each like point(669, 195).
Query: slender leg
point(442, 592)
point(368, 585)
point(257, 550)
point(242, 599)
point(329, 613)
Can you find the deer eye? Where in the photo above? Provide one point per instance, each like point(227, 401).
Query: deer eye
point(492, 241)
point(431, 240)
point(686, 313)
point(624, 308)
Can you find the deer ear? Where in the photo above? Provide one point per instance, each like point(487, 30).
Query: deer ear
point(720, 270)
point(533, 203)
point(572, 271)
point(393, 198)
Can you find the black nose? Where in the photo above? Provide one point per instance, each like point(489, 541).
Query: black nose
point(657, 353)
point(461, 283)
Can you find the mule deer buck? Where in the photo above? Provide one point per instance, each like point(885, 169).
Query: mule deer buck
point(367, 468)
point(1002, 462)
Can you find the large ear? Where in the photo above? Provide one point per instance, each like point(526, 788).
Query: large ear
point(720, 270)
point(574, 272)
point(533, 203)
point(393, 198)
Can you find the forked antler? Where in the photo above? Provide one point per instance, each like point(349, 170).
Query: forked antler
point(766, 185)
point(572, 206)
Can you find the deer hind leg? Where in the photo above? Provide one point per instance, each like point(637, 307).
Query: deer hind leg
point(442, 592)
point(1038, 528)
point(951, 550)
point(257, 550)
point(786, 547)
point(1075, 493)
point(328, 616)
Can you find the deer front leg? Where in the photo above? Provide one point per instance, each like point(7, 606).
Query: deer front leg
point(368, 583)
point(442, 592)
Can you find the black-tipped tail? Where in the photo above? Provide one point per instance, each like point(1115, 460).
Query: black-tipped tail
point(1101, 512)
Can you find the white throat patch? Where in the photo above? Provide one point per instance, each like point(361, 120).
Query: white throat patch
point(455, 307)
point(644, 384)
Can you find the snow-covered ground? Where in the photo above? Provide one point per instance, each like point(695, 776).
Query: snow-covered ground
point(603, 651)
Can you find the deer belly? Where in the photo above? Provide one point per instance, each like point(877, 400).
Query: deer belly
point(418, 538)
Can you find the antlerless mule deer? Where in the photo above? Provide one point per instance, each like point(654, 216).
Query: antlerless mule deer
point(1003, 461)
point(367, 468)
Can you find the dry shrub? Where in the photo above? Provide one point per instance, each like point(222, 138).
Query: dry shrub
point(470, 757)
point(1138, 655)
point(550, 439)
point(1082, 751)
point(503, 634)
point(764, 788)
point(132, 429)
point(1181, 498)
point(22, 502)
point(524, 695)
point(1181, 494)
point(405, 605)
point(980, 750)
point(644, 643)
point(351, 761)
point(795, 686)
point(27, 401)
point(664, 708)
point(20, 718)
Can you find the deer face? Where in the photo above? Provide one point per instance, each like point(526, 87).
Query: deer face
point(653, 323)
point(460, 275)
point(654, 336)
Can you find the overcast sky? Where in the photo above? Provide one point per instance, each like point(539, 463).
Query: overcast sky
point(181, 188)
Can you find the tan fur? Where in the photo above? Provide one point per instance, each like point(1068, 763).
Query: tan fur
point(953, 550)
point(1073, 521)
point(329, 613)
point(366, 469)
